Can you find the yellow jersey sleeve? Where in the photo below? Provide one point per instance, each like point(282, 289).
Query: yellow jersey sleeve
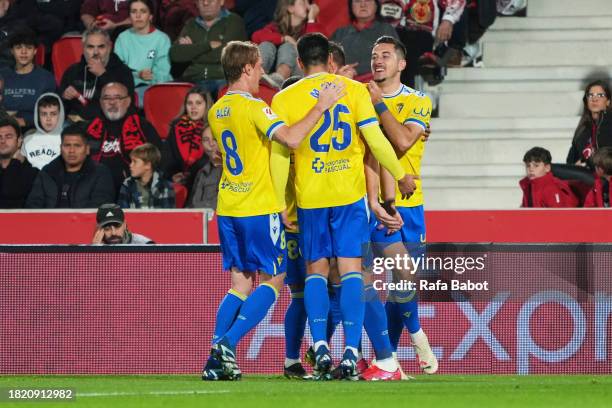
point(419, 111)
point(264, 118)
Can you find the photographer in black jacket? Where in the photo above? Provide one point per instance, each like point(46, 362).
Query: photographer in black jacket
point(594, 130)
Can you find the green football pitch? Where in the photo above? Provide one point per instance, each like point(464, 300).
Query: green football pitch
point(258, 391)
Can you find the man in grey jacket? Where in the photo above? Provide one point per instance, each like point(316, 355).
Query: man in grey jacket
point(111, 228)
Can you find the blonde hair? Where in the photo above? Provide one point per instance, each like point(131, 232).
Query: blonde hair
point(148, 153)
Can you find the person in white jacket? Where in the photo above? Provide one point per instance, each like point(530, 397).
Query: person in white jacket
point(42, 145)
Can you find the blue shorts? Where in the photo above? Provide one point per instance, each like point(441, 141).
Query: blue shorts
point(296, 267)
point(253, 244)
point(413, 230)
point(334, 231)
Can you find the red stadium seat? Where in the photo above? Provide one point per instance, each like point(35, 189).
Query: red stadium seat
point(66, 51)
point(265, 92)
point(333, 15)
point(163, 102)
point(39, 59)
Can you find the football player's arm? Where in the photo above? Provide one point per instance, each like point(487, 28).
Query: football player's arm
point(279, 169)
point(292, 136)
point(391, 219)
point(401, 135)
point(384, 153)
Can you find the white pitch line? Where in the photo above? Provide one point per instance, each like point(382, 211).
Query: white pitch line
point(136, 394)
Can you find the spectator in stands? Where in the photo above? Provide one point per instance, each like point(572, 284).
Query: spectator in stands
point(358, 37)
point(201, 41)
point(256, 13)
point(26, 13)
point(16, 177)
point(109, 15)
point(145, 188)
point(119, 129)
point(186, 154)
point(9, 23)
point(144, 49)
point(81, 83)
point(67, 12)
point(540, 187)
point(25, 82)
point(421, 23)
point(599, 196)
point(72, 180)
point(42, 145)
point(277, 40)
point(480, 16)
point(112, 229)
point(594, 130)
point(206, 185)
point(174, 14)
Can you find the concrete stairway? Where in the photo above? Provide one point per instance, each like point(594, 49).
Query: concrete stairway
point(529, 94)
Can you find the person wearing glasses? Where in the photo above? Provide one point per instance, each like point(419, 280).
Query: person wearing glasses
point(118, 130)
point(594, 130)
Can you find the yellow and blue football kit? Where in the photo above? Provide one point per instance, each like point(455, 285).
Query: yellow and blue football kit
point(408, 107)
point(250, 230)
point(329, 172)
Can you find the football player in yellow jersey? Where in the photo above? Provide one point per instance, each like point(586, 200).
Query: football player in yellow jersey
point(404, 114)
point(252, 236)
point(330, 190)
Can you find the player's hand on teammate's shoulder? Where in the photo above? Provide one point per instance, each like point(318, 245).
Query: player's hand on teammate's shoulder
point(330, 93)
point(348, 70)
point(407, 185)
point(375, 92)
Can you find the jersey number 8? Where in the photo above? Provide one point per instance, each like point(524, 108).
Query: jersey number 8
point(232, 160)
point(338, 125)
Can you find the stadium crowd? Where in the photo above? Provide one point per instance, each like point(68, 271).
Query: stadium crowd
point(50, 97)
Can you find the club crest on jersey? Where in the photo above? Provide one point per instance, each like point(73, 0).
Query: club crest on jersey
point(269, 113)
point(400, 106)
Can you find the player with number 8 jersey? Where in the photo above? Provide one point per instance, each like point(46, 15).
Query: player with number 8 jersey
point(250, 230)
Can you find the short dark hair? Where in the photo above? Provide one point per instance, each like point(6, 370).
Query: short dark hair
point(313, 49)
point(150, 5)
point(400, 49)
point(235, 56)
point(337, 52)
point(603, 159)
point(6, 120)
point(23, 37)
point(538, 155)
point(290, 81)
point(49, 100)
point(76, 129)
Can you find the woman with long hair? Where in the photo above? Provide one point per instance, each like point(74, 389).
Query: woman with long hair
point(594, 130)
point(277, 41)
point(144, 49)
point(185, 150)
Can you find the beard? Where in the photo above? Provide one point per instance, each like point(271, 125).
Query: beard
point(113, 115)
point(113, 240)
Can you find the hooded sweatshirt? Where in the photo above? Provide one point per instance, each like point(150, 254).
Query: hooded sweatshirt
point(40, 147)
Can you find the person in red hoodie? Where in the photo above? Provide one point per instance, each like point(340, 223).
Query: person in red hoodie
point(540, 187)
point(599, 196)
point(277, 40)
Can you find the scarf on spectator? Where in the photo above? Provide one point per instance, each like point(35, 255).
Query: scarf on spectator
point(188, 136)
point(131, 136)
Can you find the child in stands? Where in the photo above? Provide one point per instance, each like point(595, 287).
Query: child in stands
point(599, 196)
point(540, 187)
